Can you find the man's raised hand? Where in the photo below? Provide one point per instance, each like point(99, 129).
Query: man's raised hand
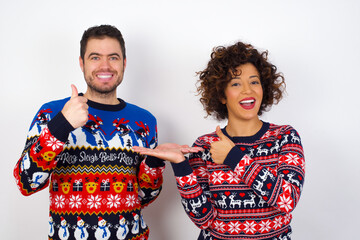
point(76, 109)
point(220, 149)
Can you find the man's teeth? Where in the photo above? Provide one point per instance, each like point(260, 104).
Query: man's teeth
point(247, 101)
point(104, 76)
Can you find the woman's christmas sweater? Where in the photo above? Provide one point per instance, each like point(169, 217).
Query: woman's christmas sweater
point(252, 194)
point(97, 183)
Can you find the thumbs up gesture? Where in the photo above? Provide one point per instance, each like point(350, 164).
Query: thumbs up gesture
point(76, 109)
point(220, 149)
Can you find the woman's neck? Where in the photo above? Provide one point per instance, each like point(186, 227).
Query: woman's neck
point(243, 128)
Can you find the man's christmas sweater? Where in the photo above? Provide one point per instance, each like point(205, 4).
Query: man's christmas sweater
point(252, 194)
point(97, 184)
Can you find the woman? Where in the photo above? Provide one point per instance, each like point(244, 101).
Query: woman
point(249, 176)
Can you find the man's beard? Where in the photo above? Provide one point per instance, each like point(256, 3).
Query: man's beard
point(104, 89)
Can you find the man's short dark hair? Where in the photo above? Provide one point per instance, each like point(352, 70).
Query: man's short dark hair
point(100, 32)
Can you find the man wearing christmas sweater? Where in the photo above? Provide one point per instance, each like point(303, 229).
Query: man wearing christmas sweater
point(81, 147)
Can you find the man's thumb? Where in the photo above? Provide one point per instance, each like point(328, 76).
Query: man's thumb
point(74, 90)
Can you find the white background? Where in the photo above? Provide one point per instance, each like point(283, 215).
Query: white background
point(316, 44)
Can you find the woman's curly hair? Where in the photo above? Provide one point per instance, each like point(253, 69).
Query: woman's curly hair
point(221, 69)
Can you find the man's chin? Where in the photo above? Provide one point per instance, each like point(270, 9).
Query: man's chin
point(103, 89)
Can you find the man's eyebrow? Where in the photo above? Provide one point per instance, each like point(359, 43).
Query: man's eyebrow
point(98, 54)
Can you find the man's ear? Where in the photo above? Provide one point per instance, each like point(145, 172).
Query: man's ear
point(81, 62)
point(124, 64)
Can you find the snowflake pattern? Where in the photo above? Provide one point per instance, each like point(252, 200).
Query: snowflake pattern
point(45, 133)
point(149, 170)
point(287, 218)
point(75, 201)
point(265, 226)
point(277, 223)
point(130, 200)
point(286, 187)
point(285, 202)
point(191, 179)
point(114, 201)
point(291, 159)
point(180, 181)
point(219, 226)
point(203, 172)
point(59, 201)
point(232, 177)
point(240, 170)
point(217, 177)
point(209, 139)
point(94, 201)
point(234, 227)
point(249, 227)
point(53, 143)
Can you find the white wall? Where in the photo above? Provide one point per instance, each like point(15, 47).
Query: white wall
point(314, 43)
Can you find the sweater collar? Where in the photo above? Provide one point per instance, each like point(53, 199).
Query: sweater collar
point(249, 139)
point(106, 107)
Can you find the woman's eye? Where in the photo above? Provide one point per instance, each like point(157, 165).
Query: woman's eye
point(235, 84)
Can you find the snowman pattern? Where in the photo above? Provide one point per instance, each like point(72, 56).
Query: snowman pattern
point(135, 228)
point(123, 229)
point(63, 230)
point(102, 231)
point(80, 231)
point(51, 226)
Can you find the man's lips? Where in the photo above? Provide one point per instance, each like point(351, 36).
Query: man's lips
point(105, 76)
point(247, 103)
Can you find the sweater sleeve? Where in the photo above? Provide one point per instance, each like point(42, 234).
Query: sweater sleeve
point(150, 179)
point(192, 179)
point(45, 141)
point(150, 174)
point(280, 187)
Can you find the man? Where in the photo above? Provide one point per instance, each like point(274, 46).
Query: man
point(82, 147)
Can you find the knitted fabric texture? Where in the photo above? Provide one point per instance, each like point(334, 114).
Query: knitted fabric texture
point(252, 194)
point(97, 183)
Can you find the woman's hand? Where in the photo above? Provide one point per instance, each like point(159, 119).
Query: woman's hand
point(220, 149)
point(171, 152)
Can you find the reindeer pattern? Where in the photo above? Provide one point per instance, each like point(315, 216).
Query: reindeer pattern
point(275, 165)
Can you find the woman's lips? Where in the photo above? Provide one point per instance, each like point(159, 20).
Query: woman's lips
point(248, 103)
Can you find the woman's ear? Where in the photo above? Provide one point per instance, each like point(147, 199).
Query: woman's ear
point(223, 100)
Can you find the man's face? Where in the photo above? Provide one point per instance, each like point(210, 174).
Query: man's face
point(103, 65)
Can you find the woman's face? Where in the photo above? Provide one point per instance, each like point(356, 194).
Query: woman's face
point(243, 94)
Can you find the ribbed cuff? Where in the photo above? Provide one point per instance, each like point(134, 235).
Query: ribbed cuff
point(60, 128)
point(234, 157)
point(154, 162)
point(182, 169)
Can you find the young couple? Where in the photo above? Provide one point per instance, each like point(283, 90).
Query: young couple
point(99, 154)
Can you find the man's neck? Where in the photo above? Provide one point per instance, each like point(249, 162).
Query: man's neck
point(103, 98)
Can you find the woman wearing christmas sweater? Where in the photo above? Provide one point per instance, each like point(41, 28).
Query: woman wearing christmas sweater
point(249, 178)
